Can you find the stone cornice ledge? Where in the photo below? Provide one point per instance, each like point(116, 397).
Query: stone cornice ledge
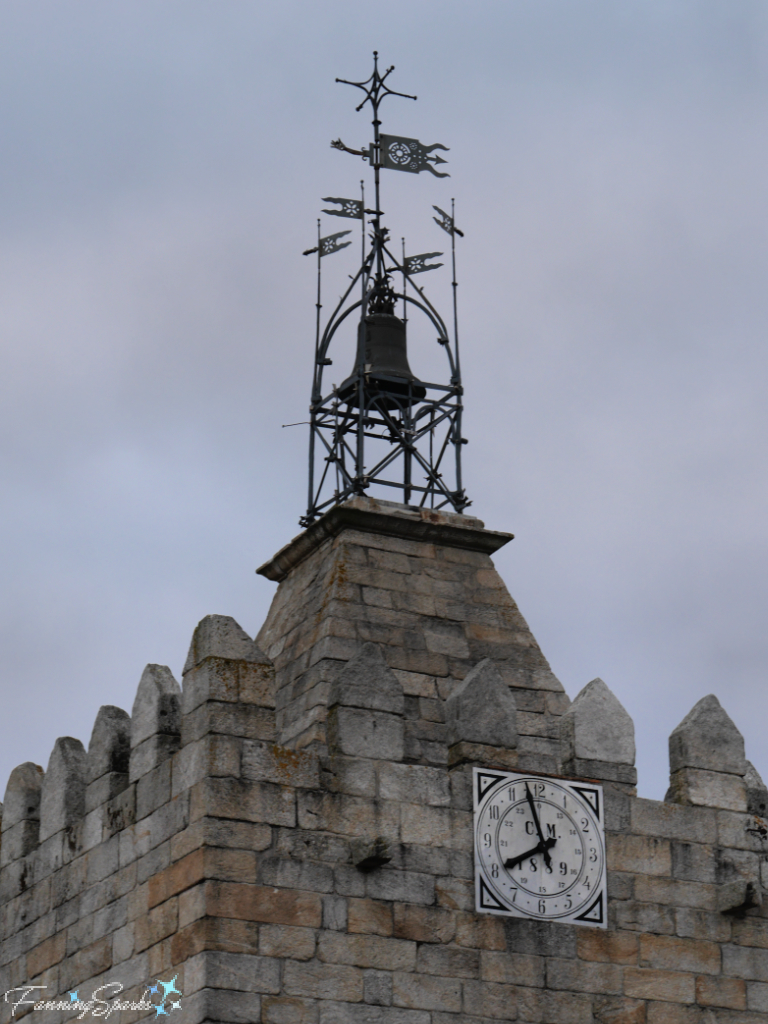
point(390, 519)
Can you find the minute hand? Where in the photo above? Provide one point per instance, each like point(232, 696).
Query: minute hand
point(545, 851)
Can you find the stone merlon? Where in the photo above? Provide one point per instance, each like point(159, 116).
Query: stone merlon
point(482, 709)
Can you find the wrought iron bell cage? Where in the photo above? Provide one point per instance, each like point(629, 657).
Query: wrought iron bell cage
point(383, 427)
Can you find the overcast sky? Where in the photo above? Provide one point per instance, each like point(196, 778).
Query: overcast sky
point(162, 166)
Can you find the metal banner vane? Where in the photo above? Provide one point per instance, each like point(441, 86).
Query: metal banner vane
point(401, 154)
point(383, 426)
point(349, 208)
point(445, 221)
point(418, 264)
point(331, 243)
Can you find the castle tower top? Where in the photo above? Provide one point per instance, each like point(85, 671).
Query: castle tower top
point(421, 584)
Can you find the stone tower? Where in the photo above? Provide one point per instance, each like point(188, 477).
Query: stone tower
point(287, 836)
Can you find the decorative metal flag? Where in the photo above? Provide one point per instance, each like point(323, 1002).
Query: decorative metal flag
point(349, 208)
point(401, 154)
point(447, 222)
point(418, 264)
point(329, 244)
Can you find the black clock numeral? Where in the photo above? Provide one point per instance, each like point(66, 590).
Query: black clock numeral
point(584, 825)
point(587, 884)
point(512, 794)
point(542, 888)
point(534, 865)
point(542, 907)
point(592, 854)
point(539, 788)
point(494, 870)
point(487, 839)
point(563, 868)
point(494, 812)
point(568, 902)
point(514, 895)
point(548, 867)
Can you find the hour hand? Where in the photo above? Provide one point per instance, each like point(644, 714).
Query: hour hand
point(544, 848)
point(514, 861)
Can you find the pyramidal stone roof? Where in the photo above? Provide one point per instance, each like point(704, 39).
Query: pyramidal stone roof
point(421, 585)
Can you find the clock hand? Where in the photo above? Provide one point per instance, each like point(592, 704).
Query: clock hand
point(539, 848)
point(542, 841)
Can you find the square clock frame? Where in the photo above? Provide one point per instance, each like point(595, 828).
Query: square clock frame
point(539, 848)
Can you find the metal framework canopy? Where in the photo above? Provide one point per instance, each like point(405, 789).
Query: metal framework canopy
point(382, 426)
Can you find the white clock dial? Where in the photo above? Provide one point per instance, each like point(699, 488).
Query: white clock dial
point(539, 848)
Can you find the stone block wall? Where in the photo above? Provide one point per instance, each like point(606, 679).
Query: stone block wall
point(288, 834)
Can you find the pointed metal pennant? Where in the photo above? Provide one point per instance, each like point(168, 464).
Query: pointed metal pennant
point(418, 264)
point(401, 154)
point(349, 208)
point(329, 244)
point(447, 222)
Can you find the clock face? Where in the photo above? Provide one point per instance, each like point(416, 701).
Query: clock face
point(539, 848)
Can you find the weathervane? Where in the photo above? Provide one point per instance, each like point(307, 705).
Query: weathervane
point(381, 425)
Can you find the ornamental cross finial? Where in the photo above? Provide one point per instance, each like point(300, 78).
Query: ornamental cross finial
point(374, 88)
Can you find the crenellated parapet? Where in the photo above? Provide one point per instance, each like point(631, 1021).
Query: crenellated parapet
point(21, 812)
point(109, 756)
point(706, 759)
point(290, 836)
point(597, 737)
point(482, 719)
point(155, 721)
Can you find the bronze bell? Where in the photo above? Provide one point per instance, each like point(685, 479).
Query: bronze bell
point(381, 348)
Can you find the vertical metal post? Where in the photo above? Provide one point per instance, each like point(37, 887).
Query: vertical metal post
point(316, 396)
point(363, 277)
point(336, 445)
point(405, 288)
point(377, 168)
point(455, 285)
point(318, 307)
point(459, 401)
point(407, 419)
